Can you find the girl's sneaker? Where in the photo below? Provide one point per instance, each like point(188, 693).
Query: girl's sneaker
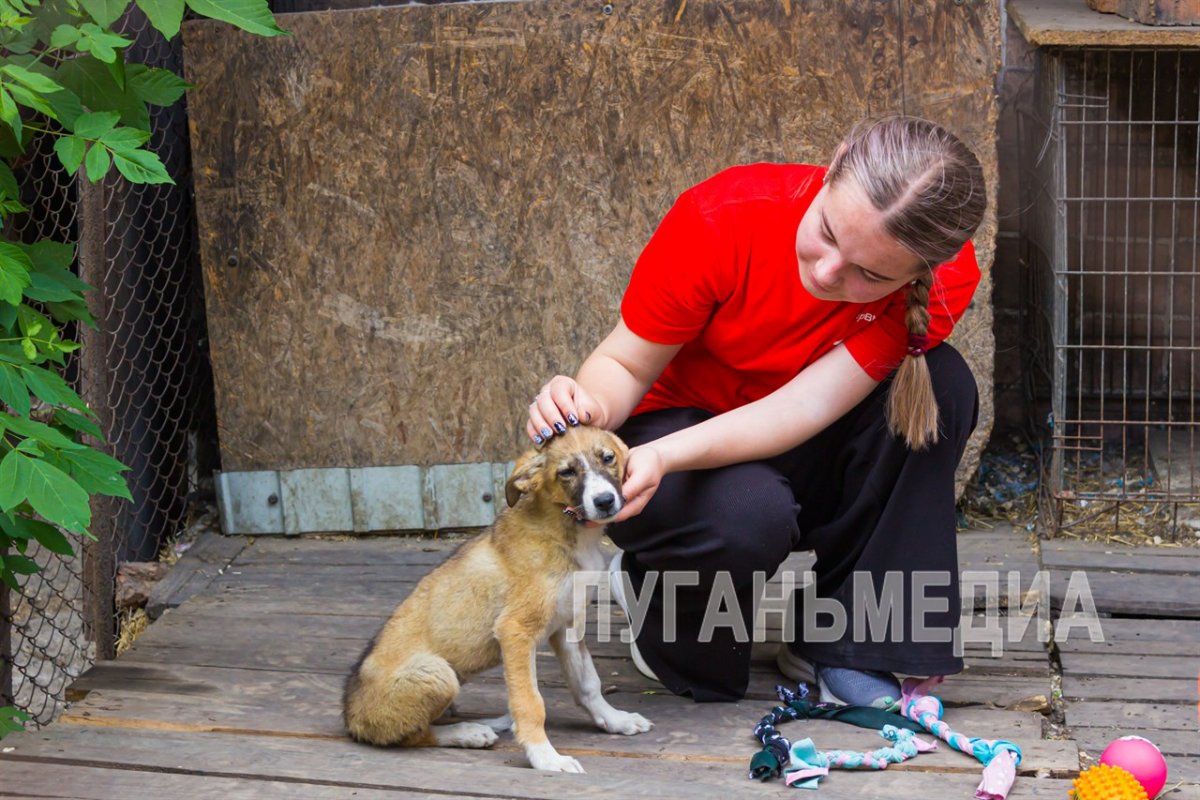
point(853, 687)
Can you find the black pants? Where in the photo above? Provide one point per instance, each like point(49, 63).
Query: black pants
point(856, 495)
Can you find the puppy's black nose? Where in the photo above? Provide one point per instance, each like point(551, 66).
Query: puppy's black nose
point(605, 501)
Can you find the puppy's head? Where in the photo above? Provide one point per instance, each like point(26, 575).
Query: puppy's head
point(581, 470)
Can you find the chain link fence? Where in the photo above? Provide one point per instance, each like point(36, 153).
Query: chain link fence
point(145, 372)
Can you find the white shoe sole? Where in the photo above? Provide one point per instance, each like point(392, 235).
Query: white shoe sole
point(793, 667)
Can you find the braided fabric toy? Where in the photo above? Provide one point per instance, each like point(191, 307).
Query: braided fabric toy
point(775, 755)
point(809, 765)
point(998, 756)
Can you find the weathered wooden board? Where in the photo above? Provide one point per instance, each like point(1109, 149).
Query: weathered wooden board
point(49, 779)
point(411, 216)
point(194, 571)
point(1105, 688)
point(343, 763)
point(293, 704)
point(1147, 594)
point(1109, 558)
point(1072, 24)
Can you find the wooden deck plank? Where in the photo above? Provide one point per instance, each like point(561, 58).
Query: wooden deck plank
point(1127, 714)
point(1139, 560)
point(194, 571)
point(246, 678)
point(490, 773)
point(1129, 666)
point(1137, 636)
point(309, 705)
point(50, 780)
point(1152, 690)
point(1168, 596)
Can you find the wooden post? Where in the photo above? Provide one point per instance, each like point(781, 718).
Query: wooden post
point(99, 568)
point(6, 676)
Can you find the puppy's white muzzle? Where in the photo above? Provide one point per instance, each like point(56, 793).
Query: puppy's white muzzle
point(601, 498)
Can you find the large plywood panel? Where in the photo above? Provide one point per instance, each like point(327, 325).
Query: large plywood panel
point(411, 216)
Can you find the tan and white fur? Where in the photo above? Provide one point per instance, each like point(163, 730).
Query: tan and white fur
point(494, 600)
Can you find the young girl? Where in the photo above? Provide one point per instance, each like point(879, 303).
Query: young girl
point(779, 371)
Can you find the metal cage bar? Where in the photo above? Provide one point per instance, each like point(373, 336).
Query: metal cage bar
point(1113, 219)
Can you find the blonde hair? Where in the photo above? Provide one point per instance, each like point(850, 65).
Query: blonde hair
point(930, 188)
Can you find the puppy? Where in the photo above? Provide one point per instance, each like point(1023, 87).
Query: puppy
point(494, 600)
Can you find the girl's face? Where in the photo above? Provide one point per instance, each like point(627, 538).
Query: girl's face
point(843, 251)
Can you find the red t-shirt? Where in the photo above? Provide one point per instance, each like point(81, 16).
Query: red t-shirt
point(720, 276)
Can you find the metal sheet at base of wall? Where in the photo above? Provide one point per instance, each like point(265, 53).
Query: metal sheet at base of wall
point(361, 500)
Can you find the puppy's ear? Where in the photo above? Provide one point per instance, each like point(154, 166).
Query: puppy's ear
point(622, 450)
point(526, 476)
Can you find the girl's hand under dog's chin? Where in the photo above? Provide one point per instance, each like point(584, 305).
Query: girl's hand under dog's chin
point(643, 473)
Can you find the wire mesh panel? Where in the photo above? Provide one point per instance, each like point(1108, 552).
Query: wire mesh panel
point(1113, 218)
point(145, 373)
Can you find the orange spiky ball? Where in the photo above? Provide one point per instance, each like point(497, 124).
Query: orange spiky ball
point(1104, 782)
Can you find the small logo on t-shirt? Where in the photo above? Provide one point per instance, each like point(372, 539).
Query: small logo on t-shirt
point(865, 316)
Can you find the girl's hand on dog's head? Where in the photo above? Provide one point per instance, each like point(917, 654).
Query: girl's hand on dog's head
point(643, 473)
point(562, 402)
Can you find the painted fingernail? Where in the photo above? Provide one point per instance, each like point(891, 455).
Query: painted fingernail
point(537, 440)
point(546, 433)
point(589, 416)
point(559, 427)
point(574, 420)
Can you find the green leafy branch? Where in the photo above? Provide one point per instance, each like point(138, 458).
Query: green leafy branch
point(63, 74)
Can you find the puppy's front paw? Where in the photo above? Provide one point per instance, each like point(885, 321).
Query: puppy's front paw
point(545, 757)
point(624, 722)
point(464, 734)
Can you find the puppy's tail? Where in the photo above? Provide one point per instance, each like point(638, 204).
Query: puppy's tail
point(392, 703)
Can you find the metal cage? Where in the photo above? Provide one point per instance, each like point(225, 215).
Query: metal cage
point(1110, 225)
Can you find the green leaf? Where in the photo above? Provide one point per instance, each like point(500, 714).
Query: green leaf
point(14, 272)
point(36, 82)
point(14, 526)
point(116, 68)
point(49, 253)
point(8, 181)
point(59, 499)
point(13, 392)
point(74, 311)
point(93, 83)
point(249, 15)
point(67, 106)
point(105, 12)
point(70, 150)
point(95, 124)
point(43, 288)
point(9, 112)
point(65, 36)
point(158, 86)
point(77, 422)
point(100, 43)
point(15, 475)
point(141, 166)
point(165, 15)
point(11, 718)
point(8, 578)
point(20, 564)
point(51, 538)
point(98, 473)
point(51, 388)
point(30, 99)
point(32, 429)
point(125, 139)
point(96, 163)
